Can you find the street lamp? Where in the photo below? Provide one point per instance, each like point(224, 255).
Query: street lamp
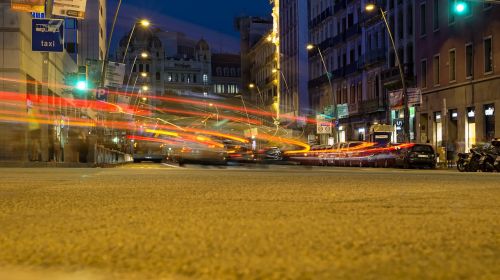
point(145, 24)
point(252, 86)
point(370, 7)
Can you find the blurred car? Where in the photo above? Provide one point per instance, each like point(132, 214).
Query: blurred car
point(148, 151)
point(200, 154)
point(270, 154)
point(417, 155)
point(241, 154)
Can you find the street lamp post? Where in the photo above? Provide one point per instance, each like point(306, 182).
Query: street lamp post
point(369, 8)
point(252, 85)
point(328, 75)
point(144, 23)
point(143, 55)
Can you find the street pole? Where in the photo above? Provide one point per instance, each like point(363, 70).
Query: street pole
point(44, 135)
point(327, 73)
point(128, 43)
point(401, 73)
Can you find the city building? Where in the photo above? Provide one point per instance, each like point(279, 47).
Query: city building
point(251, 29)
point(92, 37)
point(292, 38)
point(161, 62)
point(24, 73)
point(347, 55)
point(226, 74)
point(400, 17)
point(264, 71)
point(457, 56)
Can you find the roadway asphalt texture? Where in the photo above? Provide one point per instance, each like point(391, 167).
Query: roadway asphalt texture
point(151, 221)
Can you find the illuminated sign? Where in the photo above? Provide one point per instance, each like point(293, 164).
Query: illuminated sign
point(489, 112)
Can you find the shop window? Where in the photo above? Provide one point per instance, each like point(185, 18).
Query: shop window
point(438, 129)
point(470, 128)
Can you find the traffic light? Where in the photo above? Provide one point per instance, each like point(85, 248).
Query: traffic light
point(460, 7)
point(81, 84)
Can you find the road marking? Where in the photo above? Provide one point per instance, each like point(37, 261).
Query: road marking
point(170, 165)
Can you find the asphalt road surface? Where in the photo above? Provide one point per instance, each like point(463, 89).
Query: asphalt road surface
point(150, 221)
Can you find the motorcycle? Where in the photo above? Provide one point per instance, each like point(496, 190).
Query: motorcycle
point(463, 161)
point(487, 160)
point(469, 162)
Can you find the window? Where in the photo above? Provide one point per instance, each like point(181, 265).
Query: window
point(409, 20)
point(435, 69)
point(423, 18)
point(141, 68)
point(435, 17)
point(400, 24)
point(158, 76)
point(423, 73)
point(488, 55)
point(451, 14)
point(468, 60)
point(452, 65)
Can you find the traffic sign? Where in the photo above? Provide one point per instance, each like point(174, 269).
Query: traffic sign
point(47, 35)
point(101, 94)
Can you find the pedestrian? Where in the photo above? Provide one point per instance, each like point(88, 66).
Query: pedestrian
point(450, 153)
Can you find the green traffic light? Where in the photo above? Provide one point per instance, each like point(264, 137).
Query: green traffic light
point(81, 85)
point(460, 7)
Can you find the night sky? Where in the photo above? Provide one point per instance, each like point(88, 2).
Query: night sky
point(208, 19)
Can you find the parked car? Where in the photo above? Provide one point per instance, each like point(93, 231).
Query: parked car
point(417, 155)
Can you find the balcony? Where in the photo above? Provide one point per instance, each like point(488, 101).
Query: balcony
point(270, 79)
point(339, 6)
point(372, 57)
point(320, 18)
point(371, 106)
point(353, 109)
point(392, 74)
point(319, 81)
point(352, 31)
point(270, 58)
point(351, 68)
point(338, 73)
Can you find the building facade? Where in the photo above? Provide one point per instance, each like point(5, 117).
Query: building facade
point(292, 58)
point(264, 72)
point(174, 64)
point(251, 29)
point(458, 73)
point(226, 74)
point(92, 32)
point(345, 65)
point(36, 133)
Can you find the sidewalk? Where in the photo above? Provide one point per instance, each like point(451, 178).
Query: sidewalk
point(34, 164)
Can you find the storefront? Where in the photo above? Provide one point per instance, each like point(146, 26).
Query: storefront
point(470, 128)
